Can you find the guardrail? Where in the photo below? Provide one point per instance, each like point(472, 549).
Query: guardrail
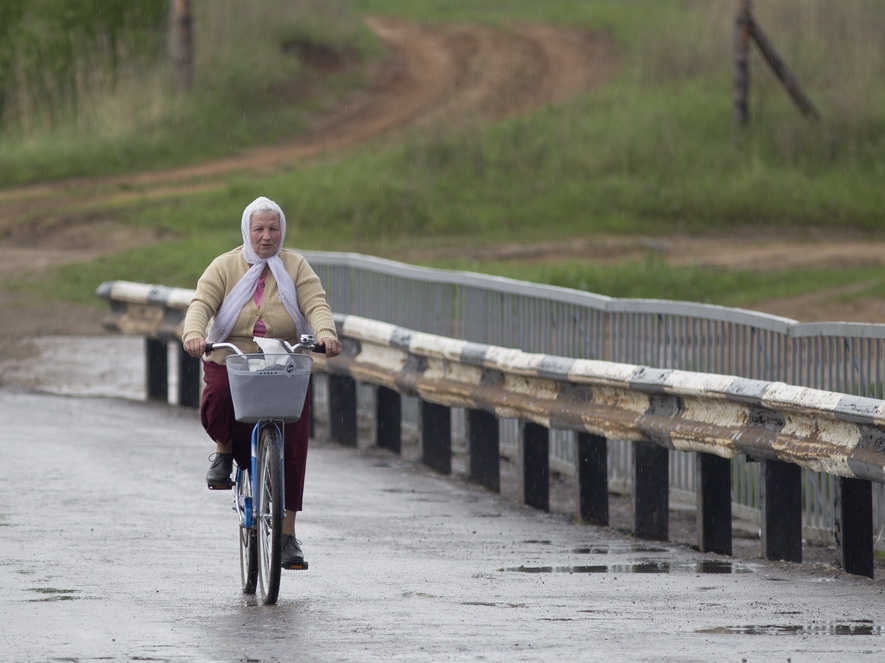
point(155, 312)
point(655, 410)
point(845, 357)
point(841, 357)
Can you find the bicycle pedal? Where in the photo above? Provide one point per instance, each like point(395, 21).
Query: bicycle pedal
point(221, 487)
point(296, 567)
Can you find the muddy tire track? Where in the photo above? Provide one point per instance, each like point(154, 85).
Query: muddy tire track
point(434, 77)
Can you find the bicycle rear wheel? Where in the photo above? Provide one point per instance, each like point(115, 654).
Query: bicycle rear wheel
point(248, 538)
point(270, 513)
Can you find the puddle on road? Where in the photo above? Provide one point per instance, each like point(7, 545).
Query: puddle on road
point(857, 627)
point(686, 568)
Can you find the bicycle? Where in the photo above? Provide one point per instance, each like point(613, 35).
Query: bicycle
point(268, 390)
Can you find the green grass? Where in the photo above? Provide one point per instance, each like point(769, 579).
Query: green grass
point(249, 89)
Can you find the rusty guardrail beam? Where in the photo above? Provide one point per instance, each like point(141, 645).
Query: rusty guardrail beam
point(716, 414)
point(722, 415)
point(140, 309)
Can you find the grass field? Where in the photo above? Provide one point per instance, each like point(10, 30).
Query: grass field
point(653, 152)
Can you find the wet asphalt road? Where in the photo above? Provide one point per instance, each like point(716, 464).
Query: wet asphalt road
point(112, 549)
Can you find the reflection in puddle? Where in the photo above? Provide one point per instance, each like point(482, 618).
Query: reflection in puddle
point(618, 549)
point(858, 627)
point(703, 566)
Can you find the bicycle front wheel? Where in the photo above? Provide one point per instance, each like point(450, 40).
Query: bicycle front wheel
point(270, 513)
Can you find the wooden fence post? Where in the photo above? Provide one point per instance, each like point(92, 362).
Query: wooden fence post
point(782, 71)
point(742, 63)
point(747, 29)
point(181, 44)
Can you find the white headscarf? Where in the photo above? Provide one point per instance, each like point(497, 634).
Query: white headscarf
point(245, 288)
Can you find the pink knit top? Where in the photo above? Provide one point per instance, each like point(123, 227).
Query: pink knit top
point(260, 330)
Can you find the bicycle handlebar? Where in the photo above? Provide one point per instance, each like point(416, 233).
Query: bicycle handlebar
point(306, 342)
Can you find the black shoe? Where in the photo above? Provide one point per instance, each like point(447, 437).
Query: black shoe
point(218, 477)
point(293, 558)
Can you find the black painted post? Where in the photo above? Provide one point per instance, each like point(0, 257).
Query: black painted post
point(157, 361)
point(714, 503)
point(188, 379)
point(388, 419)
point(651, 491)
point(436, 437)
point(535, 466)
point(854, 525)
point(342, 410)
point(781, 511)
point(592, 476)
point(482, 446)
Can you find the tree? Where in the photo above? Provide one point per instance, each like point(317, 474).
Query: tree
point(181, 44)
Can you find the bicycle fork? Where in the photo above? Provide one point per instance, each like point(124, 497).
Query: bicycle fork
point(245, 503)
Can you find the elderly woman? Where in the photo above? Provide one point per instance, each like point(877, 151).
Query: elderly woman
point(258, 289)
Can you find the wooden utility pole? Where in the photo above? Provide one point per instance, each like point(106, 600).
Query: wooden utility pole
point(782, 71)
point(746, 29)
point(742, 62)
point(181, 45)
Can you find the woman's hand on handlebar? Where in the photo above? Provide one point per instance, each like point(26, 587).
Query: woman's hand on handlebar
point(332, 346)
point(195, 347)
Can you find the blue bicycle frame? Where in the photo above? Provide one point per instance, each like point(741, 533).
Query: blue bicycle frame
point(244, 503)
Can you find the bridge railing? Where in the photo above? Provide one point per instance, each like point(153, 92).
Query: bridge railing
point(846, 357)
point(563, 323)
point(839, 357)
point(715, 418)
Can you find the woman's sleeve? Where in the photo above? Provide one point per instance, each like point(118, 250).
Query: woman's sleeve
point(205, 303)
point(312, 300)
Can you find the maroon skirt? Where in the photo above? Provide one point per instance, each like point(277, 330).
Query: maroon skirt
point(217, 416)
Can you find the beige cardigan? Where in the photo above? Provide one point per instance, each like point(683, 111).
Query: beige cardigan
point(223, 274)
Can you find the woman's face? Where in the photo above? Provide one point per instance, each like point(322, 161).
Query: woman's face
point(266, 233)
